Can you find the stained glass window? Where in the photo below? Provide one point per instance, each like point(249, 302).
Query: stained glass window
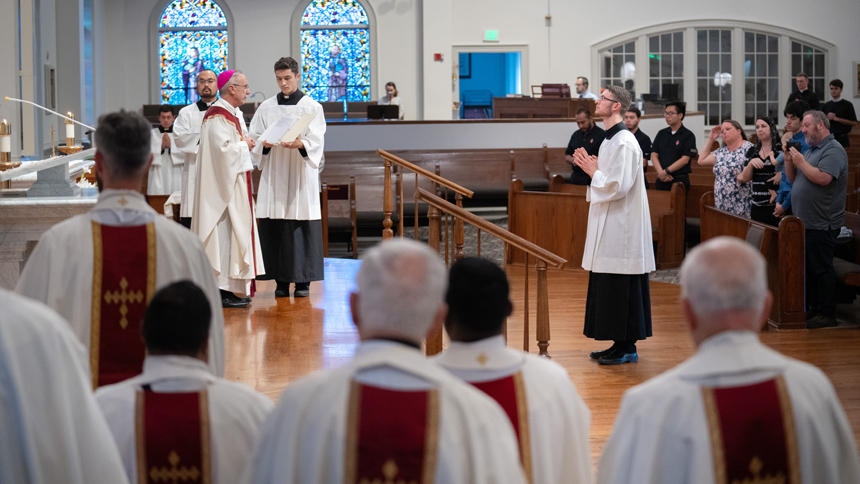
point(192, 37)
point(335, 61)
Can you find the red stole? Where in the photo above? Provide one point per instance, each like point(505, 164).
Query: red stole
point(392, 436)
point(752, 433)
point(172, 437)
point(510, 393)
point(124, 261)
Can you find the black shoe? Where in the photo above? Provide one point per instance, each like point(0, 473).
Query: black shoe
point(283, 290)
point(303, 289)
point(600, 354)
point(619, 359)
point(245, 300)
point(811, 314)
point(821, 321)
point(230, 300)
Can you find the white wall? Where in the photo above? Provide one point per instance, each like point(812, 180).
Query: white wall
point(8, 70)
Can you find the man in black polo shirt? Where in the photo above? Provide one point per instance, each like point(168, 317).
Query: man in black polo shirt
point(672, 149)
point(589, 136)
point(804, 92)
point(631, 120)
point(840, 112)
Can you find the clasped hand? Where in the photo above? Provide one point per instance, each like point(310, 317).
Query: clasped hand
point(584, 161)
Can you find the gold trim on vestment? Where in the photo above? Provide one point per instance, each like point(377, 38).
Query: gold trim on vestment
point(140, 438)
point(350, 468)
point(225, 118)
point(96, 303)
point(790, 431)
point(151, 260)
point(715, 431)
point(205, 439)
point(431, 441)
point(523, 422)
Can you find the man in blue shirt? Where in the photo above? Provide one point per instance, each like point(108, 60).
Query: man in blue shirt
point(793, 116)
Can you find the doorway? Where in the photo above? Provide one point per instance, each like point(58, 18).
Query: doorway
point(485, 73)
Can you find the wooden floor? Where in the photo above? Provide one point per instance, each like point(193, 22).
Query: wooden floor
point(277, 341)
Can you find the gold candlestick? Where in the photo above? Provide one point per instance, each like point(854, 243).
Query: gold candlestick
point(5, 142)
point(70, 136)
point(53, 148)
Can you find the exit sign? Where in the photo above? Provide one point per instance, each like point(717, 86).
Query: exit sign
point(491, 36)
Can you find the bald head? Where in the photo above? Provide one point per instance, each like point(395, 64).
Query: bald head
point(401, 285)
point(724, 287)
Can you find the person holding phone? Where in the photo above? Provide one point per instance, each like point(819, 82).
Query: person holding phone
point(793, 115)
point(761, 169)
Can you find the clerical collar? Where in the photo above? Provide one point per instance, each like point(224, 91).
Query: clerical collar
point(401, 341)
point(837, 99)
point(168, 130)
point(202, 106)
point(615, 129)
point(290, 100)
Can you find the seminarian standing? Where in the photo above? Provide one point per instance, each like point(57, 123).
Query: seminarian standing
point(223, 216)
point(99, 270)
point(618, 248)
point(288, 202)
point(186, 137)
point(165, 171)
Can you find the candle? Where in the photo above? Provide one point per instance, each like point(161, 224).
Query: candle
point(5, 142)
point(70, 130)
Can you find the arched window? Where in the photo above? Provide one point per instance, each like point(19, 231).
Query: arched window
point(192, 36)
point(335, 40)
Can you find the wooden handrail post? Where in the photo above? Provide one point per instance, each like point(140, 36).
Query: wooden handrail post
point(434, 339)
point(458, 232)
point(526, 309)
point(542, 310)
point(400, 201)
point(387, 233)
point(324, 217)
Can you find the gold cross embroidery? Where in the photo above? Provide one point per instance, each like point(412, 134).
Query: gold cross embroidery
point(755, 468)
point(123, 297)
point(482, 359)
point(123, 201)
point(389, 470)
point(174, 473)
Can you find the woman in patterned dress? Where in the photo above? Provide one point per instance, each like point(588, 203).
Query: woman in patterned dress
point(728, 162)
point(761, 170)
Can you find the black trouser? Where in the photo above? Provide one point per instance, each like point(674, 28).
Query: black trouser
point(186, 222)
point(820, 275)
point(667, 186)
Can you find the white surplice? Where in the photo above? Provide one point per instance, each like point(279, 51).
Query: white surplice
point(289, 182)
point(165, 172)
point(51, 429)
point(618, 240)
point(303, 440)
point(59, 272)
point(235, 412)
point(186, 133)
point(559, 421)
point(222, 215)
point(661, 431)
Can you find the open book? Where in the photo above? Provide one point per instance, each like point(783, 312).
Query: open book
point(286, 129)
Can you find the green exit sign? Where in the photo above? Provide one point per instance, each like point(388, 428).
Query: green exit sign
point(491, 36)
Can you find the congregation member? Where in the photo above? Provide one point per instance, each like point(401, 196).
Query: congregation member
point(392, 97)
point(223, 216)
point(100, 269)
point(288, 199)
point(737, 411)
point(673, 148)
point(730, 194)
point(618, 249)
point(177, 414)
point(820, 178)
point(582, 91)
point(389, 415)
point(51, 429)
point(804, 92)
point(550, 418)
point(631, 120)
point(760, 169)
point(589, 137)
point(793, 116)
point(841, 113)
point(186, 136)
point(165, 171)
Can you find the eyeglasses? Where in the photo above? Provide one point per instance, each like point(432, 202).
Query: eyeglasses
point(667, 114)
point(207, 81)
point(604, 98)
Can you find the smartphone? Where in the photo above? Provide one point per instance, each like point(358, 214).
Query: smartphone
point(793, 144)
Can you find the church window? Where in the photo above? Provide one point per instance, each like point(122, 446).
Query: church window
point(809, 60)
point(761, 72)
point(666, 65)
point(618, 67)
point(335, 40)
point(192, 36)
point(714, 74)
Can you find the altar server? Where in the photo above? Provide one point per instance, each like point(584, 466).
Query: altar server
point(223, 216)
point(736, 411)
point(100, 269)
point(186, 137)
point(165, 171)
point(288, 202)
point(390, 415)
point(618, 249)
point(177, 414)
point(550, 418)
point(51, 429)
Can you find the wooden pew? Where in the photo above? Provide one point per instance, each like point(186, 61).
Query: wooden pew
point(339, 220)
point(782, 248)
point(848, 271)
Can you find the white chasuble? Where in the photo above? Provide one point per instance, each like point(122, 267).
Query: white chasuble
point(51, 429)
point(186, 131)
point(554, 422)
point(289, 182)
point(165, 172)
point(667, 430)
point(310, 439)
point(618, 240)
point(223, 216)
point(60, 271)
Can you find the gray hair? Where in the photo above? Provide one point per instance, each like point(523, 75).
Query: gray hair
point(724, 274)
point(818, 117)
point(234, 80)
point(123, 140)
point(621, 95)
point(401, 285)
